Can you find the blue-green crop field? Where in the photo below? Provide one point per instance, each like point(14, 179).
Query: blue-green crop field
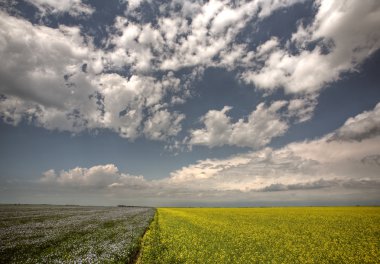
point(75, 234)
point(71, 234)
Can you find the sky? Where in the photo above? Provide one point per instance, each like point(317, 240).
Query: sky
point(190, 103)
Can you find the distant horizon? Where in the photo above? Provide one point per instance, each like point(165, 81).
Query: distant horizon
point(196, 206)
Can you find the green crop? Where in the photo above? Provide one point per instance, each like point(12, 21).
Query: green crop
point(263, 235)
point(71, 234)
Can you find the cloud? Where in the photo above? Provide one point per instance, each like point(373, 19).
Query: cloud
point(133, 4)
point(322, 184)
point(205, 169)
point(163, 124)
point(319, 184)
point(55, 78)
point(371, 159)
point(261, 126)
point(298, 166)
point(58, 79)
point(320, 170)
point(217, 129)
point(322, 163)
point(258, 129)
point(42, 79)
point(344, 34)
point(187, 34)
point(125, 100)
point(302, 108)
point(98, 177)
point(362, 126)
point(39, 58)
point(73, 7)
point(286, 170)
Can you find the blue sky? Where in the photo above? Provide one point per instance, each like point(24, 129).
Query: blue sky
point(190, 102)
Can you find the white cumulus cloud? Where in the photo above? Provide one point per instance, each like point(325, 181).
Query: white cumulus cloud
point(54, 78)
point(346, 33)
point(257, 130)
point(100, 176)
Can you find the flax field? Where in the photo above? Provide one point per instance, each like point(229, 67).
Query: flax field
point(71, 234)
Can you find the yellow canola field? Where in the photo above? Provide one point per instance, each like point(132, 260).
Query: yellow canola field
point(263, 235)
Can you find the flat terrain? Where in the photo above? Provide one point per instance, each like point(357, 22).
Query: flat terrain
point(71, 234)
point(264, 235)
point(76, 234)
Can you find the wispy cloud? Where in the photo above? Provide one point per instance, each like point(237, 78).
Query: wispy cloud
point(73, 7)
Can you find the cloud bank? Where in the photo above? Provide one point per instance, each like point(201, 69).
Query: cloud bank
point(349, 167)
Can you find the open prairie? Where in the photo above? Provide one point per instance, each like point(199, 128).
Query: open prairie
point(71, 234)
point(263, 235)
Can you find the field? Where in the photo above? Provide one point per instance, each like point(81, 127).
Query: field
point(71, 234)
point(263, 235)
point(76, 234)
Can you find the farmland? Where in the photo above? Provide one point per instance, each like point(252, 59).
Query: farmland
point(71, 234)
point(263, 235)
point(77, 234)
